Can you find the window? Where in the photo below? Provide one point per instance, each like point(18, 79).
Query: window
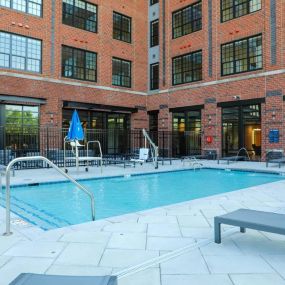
point(122, 72)
point(80, 14)
point(187, 20)
point(79, 64)
point(242, 55)
point(187, 68)
point(152, 2)
point(18, 52)
point(33, 7)
point(231, 9)
point(154, 76)
point(154, 33)
point(20, 132)
point(122, 27)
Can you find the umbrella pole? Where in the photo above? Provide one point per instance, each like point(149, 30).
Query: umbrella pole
point(77, 162)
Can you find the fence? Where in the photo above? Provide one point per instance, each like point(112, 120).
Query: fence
point(121, 143)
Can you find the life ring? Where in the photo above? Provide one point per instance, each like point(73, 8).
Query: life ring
point(209, 139)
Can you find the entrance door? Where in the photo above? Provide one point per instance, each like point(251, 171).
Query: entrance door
point(118, 139)
point(242, 128)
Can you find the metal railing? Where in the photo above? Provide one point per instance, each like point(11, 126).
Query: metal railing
point(39, 158)
point(115, 143)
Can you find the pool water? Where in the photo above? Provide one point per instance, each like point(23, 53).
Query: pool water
point(61, 204)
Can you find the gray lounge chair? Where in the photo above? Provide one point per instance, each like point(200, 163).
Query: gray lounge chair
point(278, 161)
point(257, 220)
point(115, 161)
point(41, 279)
point(232, 158)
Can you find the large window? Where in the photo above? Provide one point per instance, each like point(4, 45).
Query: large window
point(79, 64)
point(80, 14)
point(154, 76)
point(231, 9)
point(18, 52)
point(186, 139)
point(187, 68)
point(122, 72)
point(122, 27)
point(241, 128)
point(187, 20)
point(152, 2)
point(20, 130)
point(154, 33)
point(242, 55)
point(33, 7)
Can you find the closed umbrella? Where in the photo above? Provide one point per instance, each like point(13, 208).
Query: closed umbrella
point(75, 133)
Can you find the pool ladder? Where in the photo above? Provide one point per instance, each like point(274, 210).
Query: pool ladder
point(51, 164)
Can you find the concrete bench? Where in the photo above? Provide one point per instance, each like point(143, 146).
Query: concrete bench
point(40, 279)
point(251, 219)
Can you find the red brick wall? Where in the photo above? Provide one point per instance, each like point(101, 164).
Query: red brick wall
point(101, 42)
point(219, 88)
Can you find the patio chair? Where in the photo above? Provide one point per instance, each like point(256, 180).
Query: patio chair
point(276, 157)
point(42, 279)
point(251, 219)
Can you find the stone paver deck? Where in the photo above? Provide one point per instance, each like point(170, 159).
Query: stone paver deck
point(114, 244)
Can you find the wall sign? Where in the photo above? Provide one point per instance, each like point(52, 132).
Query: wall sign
point(274, 136)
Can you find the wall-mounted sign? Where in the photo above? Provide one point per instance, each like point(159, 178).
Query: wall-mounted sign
point(274, 136)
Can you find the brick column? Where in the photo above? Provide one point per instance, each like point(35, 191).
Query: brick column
point(211, 126)
point(272, 117)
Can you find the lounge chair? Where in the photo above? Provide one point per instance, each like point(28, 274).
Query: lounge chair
point(275, 157)
point(279, 161)
point(118, 161)
point(251, 219)
point(41, 279)
point(235, 158)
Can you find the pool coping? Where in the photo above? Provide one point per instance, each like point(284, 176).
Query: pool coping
point(226, 168)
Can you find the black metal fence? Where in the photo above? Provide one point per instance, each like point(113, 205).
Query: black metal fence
point(49, 142)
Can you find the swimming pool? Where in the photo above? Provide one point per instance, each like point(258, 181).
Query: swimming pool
point(61, 204)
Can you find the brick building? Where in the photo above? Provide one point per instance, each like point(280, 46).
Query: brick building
point(212, 72)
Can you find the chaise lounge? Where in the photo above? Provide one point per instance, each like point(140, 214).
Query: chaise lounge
point(251, 219)
point(229, 159)
point(275, 157)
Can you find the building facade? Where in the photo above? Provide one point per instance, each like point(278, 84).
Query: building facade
point(210, 72)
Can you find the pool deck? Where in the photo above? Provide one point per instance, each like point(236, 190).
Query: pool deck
point(152, 240)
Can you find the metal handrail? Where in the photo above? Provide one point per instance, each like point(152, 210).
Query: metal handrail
point(155, 148)
point(100, 150)
point(99, 145)
point(36, 158)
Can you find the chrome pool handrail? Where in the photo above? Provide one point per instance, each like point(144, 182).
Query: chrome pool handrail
point(37, 158)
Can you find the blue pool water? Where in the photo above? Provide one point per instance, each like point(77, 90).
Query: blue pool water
point(61, 204)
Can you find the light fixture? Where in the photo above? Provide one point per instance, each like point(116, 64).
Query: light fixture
point(209, 119)
point(273, 115)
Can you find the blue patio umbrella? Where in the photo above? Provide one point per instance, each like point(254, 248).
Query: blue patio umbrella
point(75, 131)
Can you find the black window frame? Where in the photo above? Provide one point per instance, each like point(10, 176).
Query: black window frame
point(154, 38)
point(154, 82)
point(26, 8)
point(183, 24)
point(120, 75)
point(234, 10)
point(153, 2)
point(74, 17)
point(26, 53)
point(73, 66)
point(121, 31)
point(194, 53)
point(247, 58)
